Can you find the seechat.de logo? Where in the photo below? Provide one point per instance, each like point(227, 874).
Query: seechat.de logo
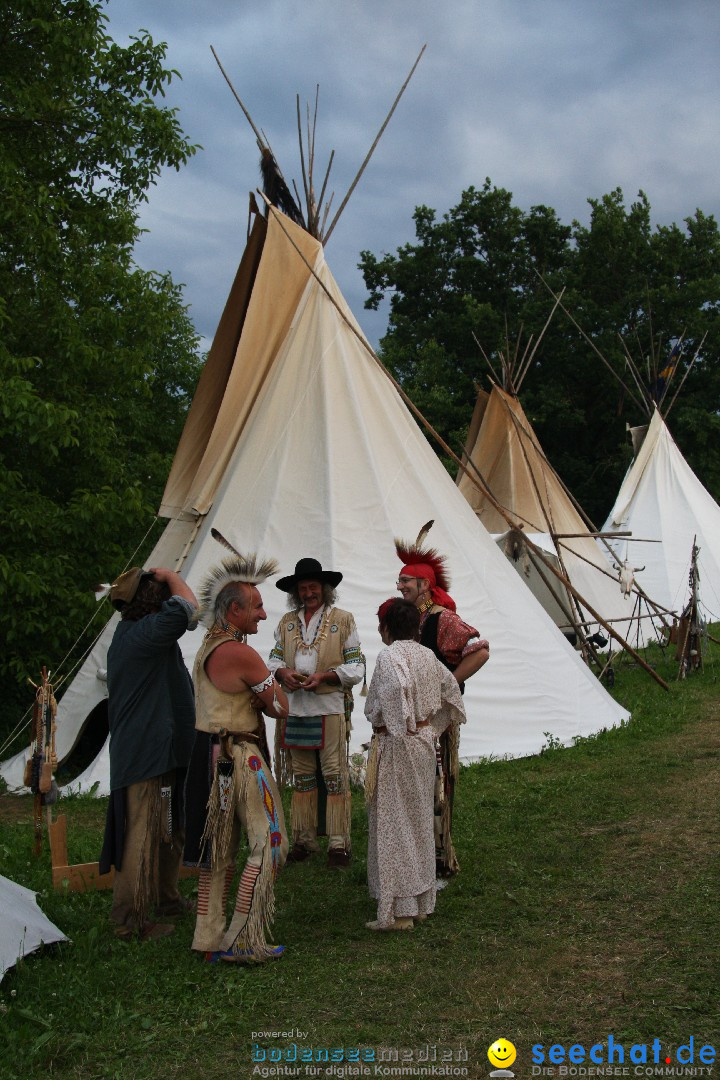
point(501, 1054)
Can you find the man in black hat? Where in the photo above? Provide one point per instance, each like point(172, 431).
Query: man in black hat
point(152, 726)
point(317, 658)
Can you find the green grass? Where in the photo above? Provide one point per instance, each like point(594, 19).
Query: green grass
point(587, 905)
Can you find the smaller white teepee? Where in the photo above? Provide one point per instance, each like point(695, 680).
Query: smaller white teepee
point(661, 499)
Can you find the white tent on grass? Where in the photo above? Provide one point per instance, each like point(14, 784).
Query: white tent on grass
point(25, 927)
point(661, 499)
point(297, 443)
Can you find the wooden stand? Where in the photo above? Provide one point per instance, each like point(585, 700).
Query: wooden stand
point(81, 877)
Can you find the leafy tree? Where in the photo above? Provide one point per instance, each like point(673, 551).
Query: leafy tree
point(637, 290)
point(478, 277)
point(460, 287)
point(97, 357)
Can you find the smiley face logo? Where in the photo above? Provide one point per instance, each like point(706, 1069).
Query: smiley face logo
point(502, 1053)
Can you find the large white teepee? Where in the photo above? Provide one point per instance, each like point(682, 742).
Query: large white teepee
point(503, 449)
point(661, 499)
point(298, 444)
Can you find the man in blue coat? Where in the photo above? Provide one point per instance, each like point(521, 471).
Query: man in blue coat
point(152, 725)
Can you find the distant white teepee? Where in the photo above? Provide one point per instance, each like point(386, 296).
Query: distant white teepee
point(661, 499)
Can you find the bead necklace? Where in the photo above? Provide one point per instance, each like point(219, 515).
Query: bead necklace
point(228, 628)
point(320, 633)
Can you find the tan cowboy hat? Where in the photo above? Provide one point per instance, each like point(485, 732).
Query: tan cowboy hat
point(123, 589)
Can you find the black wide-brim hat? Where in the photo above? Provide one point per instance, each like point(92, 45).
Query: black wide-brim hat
point(309, 570)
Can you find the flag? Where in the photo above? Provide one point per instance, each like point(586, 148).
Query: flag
point(667, 373)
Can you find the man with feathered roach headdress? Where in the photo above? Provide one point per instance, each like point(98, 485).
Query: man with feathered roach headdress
point(424, 581)
point(318, 659)
point(230, 788)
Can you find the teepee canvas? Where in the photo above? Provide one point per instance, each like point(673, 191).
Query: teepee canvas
point(25, 928)
point(661, 499)
point(298, 444)
point(519, 486)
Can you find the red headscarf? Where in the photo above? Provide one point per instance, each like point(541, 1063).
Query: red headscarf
point(427, 563)
point(437, 594)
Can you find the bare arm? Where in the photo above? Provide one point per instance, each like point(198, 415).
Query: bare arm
point(234, 666)
point(273, 700)
point(471, 663)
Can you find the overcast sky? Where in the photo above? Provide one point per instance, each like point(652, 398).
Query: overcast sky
point(556, 100)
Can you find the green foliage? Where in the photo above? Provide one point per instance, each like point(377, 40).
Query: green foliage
point(97, 357)
point(473, 280)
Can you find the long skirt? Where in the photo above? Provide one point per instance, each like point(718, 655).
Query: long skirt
point(401, 839)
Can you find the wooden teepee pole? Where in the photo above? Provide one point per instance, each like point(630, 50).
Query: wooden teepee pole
point(371, 151)
point(592, 344)
point(598, 618)
point(687, 372)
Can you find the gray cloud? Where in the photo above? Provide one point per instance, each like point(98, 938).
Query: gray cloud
point(556, 100)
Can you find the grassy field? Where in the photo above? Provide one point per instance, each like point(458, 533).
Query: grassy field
point(586, 908)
